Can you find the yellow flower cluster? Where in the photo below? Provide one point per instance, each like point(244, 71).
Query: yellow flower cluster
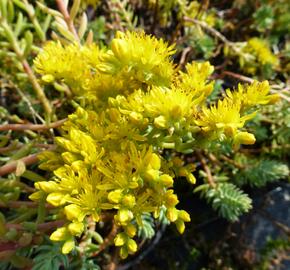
point(190, 9)
point(73, 64)
point(90, 177)
point(259, 49)
point(252, 95)
point(135, 60)
point(109, 157)
point(141, 56)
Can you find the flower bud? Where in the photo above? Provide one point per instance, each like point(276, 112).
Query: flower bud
point(180, 226)
point(55, 198)
point(123, 252)
point(60, 234)
point(172, 214)
point(166, 180)
point(115, 196)
point(183, 215)
point(129, 201)
point(73, 212)
point(151, 175)
point(68, 246)
point(170, 199)
point(124, 215)
point(136, 118)
point(76, 228)
point(130, 230)
point(155, 161)
point(160, 122)
point(244, 138)
point(48, 78)
point(120, 48)
point(36, 195)
point(183, 172)
point(120, 239)
point(48, 187)
point(132, 246)
point(191, 178)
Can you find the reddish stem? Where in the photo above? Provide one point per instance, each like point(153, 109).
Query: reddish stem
point(107, 241)
point(40, 227)
point(207, 170)
point(18, 204)
point(11, 167)
point(34, 127)
point(67, 18)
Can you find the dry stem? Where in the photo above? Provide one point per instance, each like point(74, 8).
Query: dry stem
point(214, 32)
point(236, 164)
point(107, 241)
point(207, 170)
point(40, 127)
point(114, 263)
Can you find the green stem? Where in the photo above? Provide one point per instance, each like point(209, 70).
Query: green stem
point(25, 216)
point(36, 86)
point(31, 14)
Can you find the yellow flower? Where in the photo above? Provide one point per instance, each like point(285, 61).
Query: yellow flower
point(164, 108)
point(142, 56)
point(261, 50)
point(256, 54)
point(90, 202)
point(195, 80)
point(252, 95)
point(72, 64)
point(120, 239)
point(224, 117)
point(173, 105)
point(61, 62)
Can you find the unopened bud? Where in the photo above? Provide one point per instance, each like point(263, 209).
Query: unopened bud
point(166, 180)
point(172, 214)
point(48, 78)
point(160, 122)
point(155, 161)
point(120, 48)
point(244, 138)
